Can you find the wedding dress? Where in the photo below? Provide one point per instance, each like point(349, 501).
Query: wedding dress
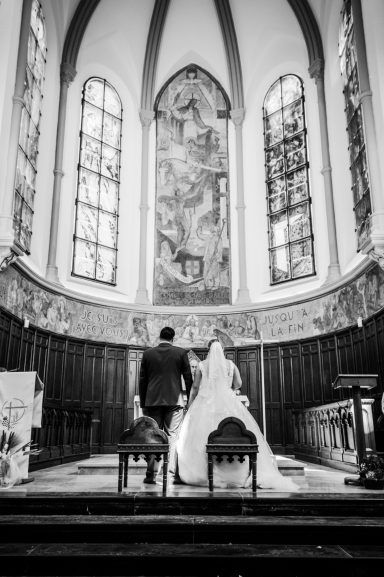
point(214, 402)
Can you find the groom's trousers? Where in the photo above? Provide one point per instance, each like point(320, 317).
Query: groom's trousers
point(169, 420)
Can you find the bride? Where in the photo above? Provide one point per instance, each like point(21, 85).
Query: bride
point(213, 399)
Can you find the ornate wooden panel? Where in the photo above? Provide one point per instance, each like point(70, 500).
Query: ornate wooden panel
point(248, 362)
point(5, 324)
point(55, 369)
point(74, 372)
point(329, 368)
point(93, 389)
point(14, 346)
point(27, 349)
point(273, 396)
point(311, 373)
point(291, 386)
point(114, 408)
point(41, 354)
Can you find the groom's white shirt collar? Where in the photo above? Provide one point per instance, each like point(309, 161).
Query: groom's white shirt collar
point(165, 342)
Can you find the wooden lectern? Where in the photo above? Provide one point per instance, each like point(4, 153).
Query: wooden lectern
point(357, 383)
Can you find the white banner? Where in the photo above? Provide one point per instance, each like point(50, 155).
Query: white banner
point(21, 400)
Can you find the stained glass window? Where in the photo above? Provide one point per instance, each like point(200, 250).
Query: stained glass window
point(355, 124)
point(286, 167)
point(97, 203)
point(26, 168)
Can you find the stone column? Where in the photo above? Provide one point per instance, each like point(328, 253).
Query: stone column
point(67, 74)
point(316, 71)
point(237, 117)
point(8, 250)
point(146, 118)
point(375, 245)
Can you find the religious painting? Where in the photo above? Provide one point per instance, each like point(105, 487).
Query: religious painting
point(192, 228)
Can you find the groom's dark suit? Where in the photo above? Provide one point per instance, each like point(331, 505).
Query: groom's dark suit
point(161, 395)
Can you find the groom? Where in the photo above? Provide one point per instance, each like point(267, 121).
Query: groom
point(161, 395)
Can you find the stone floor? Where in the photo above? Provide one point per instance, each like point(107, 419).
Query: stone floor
point(316, 480)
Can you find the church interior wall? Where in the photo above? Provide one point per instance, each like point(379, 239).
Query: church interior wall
point(10, 13)
point(266, 56)
point(109, 53)
point(86, 339)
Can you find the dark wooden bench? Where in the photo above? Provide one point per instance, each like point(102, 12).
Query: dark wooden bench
point(142, 439)
point(232, 439)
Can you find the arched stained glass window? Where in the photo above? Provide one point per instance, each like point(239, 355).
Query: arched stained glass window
point(355, 125)
point(25, 179)
point(288, 196)
point(97, 203)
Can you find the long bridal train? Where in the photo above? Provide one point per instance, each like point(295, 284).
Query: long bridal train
point(212, 400)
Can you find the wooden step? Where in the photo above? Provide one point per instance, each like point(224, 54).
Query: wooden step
point(188, 559)
point(108, 465)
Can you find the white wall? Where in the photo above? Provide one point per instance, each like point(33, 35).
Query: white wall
point(113, 48)
point(271, 44)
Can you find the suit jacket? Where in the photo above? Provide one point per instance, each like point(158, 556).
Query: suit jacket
point(160, 376)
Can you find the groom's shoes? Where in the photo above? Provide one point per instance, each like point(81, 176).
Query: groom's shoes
point(149, 481)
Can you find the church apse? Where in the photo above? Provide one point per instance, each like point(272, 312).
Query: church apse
point(192, 227)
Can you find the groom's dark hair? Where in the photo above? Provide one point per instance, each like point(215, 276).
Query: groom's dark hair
point(167, 334)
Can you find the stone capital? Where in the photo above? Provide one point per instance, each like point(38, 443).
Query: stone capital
point(67, 73)
point(237, 116)
point(316, 69)
point(146, 117)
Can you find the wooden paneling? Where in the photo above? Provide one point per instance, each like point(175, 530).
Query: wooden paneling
point(273, 397)
point(248, 362)
point(114, 412)
point(329, 368)
point(27, 350)
point(41, 354)
point(104, 378)
point(14, 347)
point(73, 373)
point(313, 394)
point(55, 369)
point(5, 324)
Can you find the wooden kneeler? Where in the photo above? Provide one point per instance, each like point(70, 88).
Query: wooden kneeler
point(142, 439)
point(232, 439)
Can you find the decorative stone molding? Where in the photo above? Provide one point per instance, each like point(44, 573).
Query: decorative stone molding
point(7, 257)
point(155, 33)
point(237, 116)
point(146, 117)
point(316, 69)
point(67, 73)
point(228, 30)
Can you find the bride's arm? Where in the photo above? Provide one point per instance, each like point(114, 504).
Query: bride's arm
point(195, 387)
point(236, 382)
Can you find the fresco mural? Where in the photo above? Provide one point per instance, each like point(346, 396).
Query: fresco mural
point(363, 297)
point(192, 242)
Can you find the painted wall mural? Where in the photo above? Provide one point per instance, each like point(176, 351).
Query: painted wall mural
point(362, 297)
point(192, 241)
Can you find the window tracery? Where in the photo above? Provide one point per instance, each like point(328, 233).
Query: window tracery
point(355, 124)
point(26, 168)
point(97, 203)
point(288, 195)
